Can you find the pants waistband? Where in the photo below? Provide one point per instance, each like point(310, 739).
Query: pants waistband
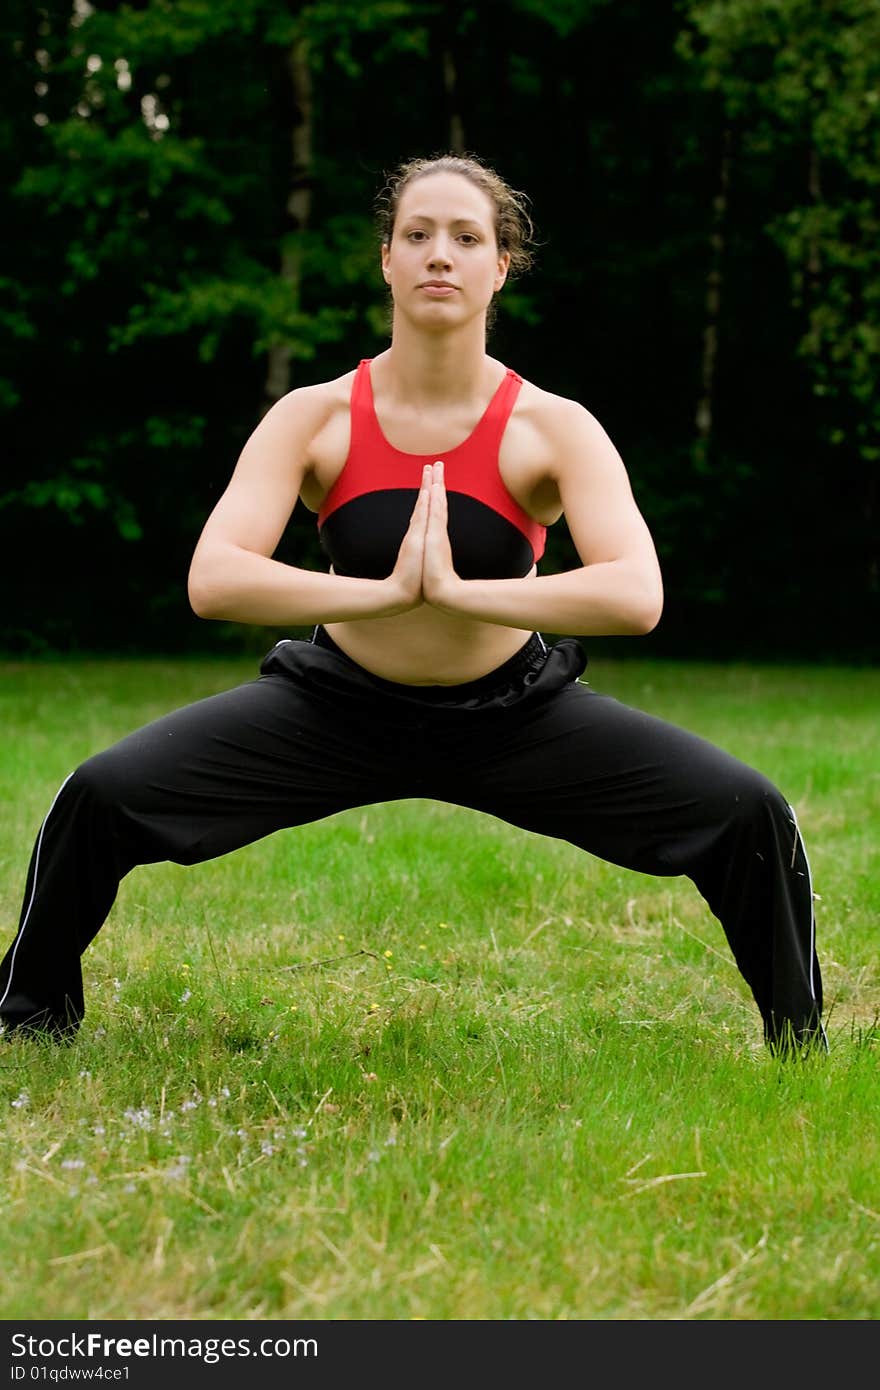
point(528, 658)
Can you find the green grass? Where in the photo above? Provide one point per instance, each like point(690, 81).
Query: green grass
point(411, 1063)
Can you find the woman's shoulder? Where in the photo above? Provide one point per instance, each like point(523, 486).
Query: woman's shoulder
point(561, 431)
point(549, 411)
point(321, 394)
point(304, 411)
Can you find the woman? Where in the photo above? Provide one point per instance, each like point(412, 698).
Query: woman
point(434, 471)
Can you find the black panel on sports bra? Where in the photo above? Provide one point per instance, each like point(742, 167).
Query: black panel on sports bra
point(363, 536)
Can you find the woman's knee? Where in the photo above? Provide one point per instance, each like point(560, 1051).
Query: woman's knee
point(102, 779)
point(758, 807)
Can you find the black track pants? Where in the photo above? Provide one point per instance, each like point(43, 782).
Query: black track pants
point(315, 734)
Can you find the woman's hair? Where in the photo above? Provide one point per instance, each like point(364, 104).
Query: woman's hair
point(514, 232)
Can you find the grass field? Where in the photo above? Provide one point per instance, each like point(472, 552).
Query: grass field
point(411, 1063)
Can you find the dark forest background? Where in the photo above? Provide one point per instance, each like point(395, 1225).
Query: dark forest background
point(187, 215)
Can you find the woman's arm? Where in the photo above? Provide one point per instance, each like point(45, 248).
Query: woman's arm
point(232, 575)
point(618, 589)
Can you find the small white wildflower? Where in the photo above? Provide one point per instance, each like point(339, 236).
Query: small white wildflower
point(85, 1074)
point(267, 1148)
point(299, 1132)
point(98, 1129)
point(391, 1140)
point(141, 1119)
point(21, 1100)
point(373, 1156)
point(73, 1163)
point(187, 994)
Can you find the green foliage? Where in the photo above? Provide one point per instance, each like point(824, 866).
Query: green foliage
point(147, 159)
point(803, 83)
point(564, 17)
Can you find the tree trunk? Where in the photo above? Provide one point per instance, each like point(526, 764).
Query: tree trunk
point(449, 21)
point(703, 419)
point(298, 208)
point(450, 85)
point(814, 184)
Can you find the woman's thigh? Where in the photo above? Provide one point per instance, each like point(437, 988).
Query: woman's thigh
point(228, 769)
point(621, 783)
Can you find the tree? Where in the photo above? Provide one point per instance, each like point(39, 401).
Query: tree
point(802, 81)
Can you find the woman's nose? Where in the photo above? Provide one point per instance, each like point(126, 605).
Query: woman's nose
point(440, 252)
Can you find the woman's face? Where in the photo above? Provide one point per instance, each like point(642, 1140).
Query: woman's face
point(443, 264)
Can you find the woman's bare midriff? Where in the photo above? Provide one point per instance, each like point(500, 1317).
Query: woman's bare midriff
point(426, 647)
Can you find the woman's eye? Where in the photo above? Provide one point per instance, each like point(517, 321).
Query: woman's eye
point(415, 236)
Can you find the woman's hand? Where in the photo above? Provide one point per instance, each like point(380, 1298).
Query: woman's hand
point(406, 579)
point(440, 582)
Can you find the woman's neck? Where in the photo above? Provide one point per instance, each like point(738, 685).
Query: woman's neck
point(436, 367)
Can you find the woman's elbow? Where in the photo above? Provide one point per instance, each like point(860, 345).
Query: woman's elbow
point(201, 592)
point(646, 611)
point(199, 602)
point(647, 621)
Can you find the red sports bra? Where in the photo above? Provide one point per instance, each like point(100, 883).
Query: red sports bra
point(364, 516)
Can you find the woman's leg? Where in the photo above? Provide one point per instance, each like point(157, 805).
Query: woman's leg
point(640, 792)
point(204, 780)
